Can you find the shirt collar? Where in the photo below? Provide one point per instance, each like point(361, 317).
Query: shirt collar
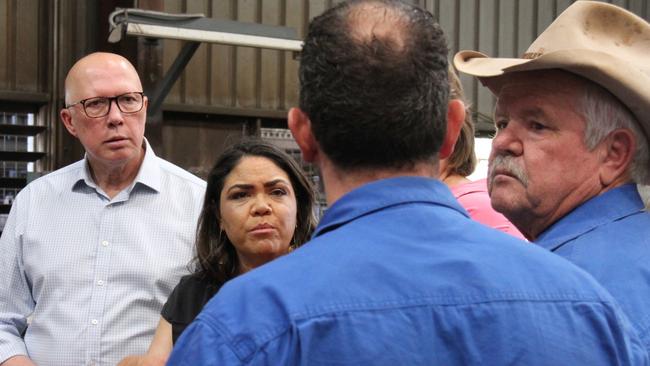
point(384, 193)
point(148, 175)
point(610, 206)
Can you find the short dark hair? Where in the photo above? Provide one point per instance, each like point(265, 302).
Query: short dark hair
point(216, 257)
point(375, 101)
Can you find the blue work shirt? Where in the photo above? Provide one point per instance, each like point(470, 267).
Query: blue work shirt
point(397, 274)
point(609, 236)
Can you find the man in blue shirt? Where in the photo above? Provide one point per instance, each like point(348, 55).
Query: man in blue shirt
point(397, 273)
point(564, 160)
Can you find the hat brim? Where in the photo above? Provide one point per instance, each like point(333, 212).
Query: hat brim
point(623, 79)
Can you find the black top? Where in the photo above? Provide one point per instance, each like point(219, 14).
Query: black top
point(186, 302)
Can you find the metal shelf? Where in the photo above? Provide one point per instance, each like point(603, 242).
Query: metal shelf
point(21, 156)
point(18, 183)
point(21, 130)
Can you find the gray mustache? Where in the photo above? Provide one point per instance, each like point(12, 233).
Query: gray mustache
point(506, 163)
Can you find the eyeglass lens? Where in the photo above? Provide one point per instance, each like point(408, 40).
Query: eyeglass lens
point(100, 106)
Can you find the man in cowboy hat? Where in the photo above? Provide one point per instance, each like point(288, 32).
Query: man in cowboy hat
point(573, 120)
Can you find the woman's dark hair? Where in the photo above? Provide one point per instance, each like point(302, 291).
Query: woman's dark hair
point(216, 257)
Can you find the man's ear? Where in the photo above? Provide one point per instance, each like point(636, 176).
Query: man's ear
point(300, 127)
point(617, 152)
point(455, 118)
point(66, 118)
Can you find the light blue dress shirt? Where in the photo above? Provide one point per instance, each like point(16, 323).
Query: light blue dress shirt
point(397, 274)
point(94, 272)
point(609, 236)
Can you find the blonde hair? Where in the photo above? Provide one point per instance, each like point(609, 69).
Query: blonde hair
point(463, 160)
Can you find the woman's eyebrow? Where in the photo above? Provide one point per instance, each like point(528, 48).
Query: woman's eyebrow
point(275, 182)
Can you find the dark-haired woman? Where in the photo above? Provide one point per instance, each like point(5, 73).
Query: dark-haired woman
point(258, 206)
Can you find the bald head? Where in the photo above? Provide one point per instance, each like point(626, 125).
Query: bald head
point(80, 82)
point(369, 21)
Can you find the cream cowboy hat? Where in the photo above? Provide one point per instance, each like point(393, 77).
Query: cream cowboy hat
point(600, 42)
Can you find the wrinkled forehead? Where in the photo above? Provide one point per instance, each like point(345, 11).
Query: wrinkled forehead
point(553, 85)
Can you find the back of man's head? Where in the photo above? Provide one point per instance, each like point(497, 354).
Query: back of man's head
point(374, 84)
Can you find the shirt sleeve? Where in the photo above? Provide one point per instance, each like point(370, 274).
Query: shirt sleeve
point(201, 344)
point(169, 309)
point(16, 301)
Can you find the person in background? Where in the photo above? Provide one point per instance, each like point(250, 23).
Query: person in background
point(396, 273)
point(573, 122)
point(258, 205)
point(455, 169)
point(91, 251)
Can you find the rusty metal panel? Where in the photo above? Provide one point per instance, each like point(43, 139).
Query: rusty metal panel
point(447, 17)
point(222, 61)
point(271, 94)
point(197, 80)
point(171, 48)
point(73, 38)
point(20, 31)
point(5, 43)
point(507, 19)
point(247, 60)
point(299, 12)
point(561, 5)
point(27, 31)
point(483, 100)
point(546, 13)
point(527, 24)
point(467, 12)
point(208, 137)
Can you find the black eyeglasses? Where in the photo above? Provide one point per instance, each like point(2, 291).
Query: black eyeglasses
point(100, 106)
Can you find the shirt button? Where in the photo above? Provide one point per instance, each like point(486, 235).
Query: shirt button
point(105, 243)
point(100, 283)
point(94, 322)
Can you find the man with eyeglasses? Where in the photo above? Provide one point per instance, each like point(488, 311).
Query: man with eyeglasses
point(91, 251)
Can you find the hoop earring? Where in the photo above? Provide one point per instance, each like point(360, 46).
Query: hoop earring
point(292, 244)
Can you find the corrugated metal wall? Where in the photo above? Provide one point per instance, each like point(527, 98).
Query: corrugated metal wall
point(39, 40)
point(226, 79)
